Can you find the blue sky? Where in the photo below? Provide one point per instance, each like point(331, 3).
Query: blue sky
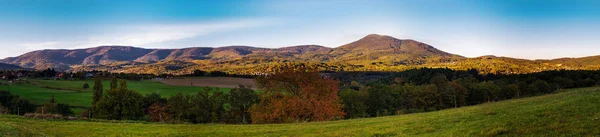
point(531, 29)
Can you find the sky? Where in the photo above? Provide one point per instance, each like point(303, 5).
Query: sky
point(530, 29)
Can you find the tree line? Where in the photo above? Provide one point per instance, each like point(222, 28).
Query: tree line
point(13, 104)
point(426, 89)
point(209, 106)
point(304, 93)
point(292, 95)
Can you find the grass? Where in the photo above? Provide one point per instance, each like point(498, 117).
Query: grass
point(573, 112)
point(72, 93)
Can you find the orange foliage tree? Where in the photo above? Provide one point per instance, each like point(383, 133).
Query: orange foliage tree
point(297, 94)
point(158, 113)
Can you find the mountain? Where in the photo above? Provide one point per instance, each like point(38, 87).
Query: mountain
point(63, 59)
point(371, 53)
point(378, 43)
point(8, 66)
point(382, 48)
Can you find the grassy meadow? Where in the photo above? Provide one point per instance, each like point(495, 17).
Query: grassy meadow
point(71, 91)
point(573, 112)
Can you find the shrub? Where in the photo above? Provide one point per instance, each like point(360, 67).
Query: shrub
point(63, 109)
point(495, 131)
point(42, 116)
point(86, 86)
point(3, 110)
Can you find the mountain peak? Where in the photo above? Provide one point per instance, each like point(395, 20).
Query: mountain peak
point(372, 42)
point(377, 37)
point(383, 44)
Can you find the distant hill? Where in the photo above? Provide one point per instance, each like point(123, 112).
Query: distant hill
point(106, 55)
point(371, 53)
point(8, 66)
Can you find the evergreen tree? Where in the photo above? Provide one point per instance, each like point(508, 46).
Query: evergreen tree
point(98, 89)
point(123, 84)
point(113, 83)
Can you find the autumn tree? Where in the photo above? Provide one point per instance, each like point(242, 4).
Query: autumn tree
point(153, 98)
point(158, 112)
point(296, 94)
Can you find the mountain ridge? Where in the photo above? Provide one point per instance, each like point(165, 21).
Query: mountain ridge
point(370, 51)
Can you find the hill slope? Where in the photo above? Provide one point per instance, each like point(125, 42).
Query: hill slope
point(8, 66)
point(574, 112)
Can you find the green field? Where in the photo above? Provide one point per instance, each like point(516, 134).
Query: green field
point(72, 93)
point(574, 112)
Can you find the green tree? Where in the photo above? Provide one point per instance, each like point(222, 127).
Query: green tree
point(542, 87)
point(459, 94)
point(21, 106)
point(382, 101)
point(513, 90)
point(113, 83)
point(447, 97)
point(355, 102)
point(178, 106)
point(98, 89)
point(488, 90)
point(63, 109)
point(119, 104)
point(123, 84)
point(206, 107)
point(240, 99)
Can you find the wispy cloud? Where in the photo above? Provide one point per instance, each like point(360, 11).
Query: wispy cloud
point(39, 44)
point(156, 33)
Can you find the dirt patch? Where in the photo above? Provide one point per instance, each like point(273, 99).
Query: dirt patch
point(227, 82)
